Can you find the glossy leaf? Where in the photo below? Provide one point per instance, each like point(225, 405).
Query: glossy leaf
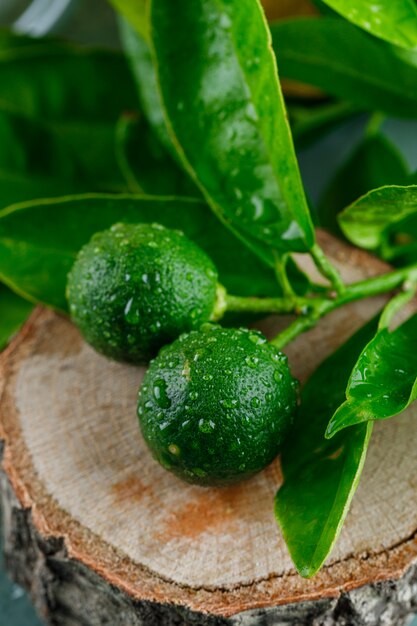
point(39, 241)
point(321, 476)
point(395, 22)
point(13, 313)
point(375, 162)
point(222, 98)
point(367, 222)
point(345, 62)
point(383, 382)
point(146, 165)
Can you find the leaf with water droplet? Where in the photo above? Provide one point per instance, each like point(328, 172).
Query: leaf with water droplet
point(243, 160)
point(383, 382)
point(393, 21)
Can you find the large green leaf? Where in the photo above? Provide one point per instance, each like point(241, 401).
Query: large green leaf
point(39, 241)
point(367, 222)
point(226, 114)
point(344, 61)
point(13, 312)
point(383, 382)
point(375, 162)
point(321, 476)
point(392, 20)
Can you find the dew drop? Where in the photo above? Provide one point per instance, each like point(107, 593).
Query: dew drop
point(255, 402)
point(256, 338)
point(206, 426)
point(252, 361)
point(278, 376)
point(132, 315)
point(160, 394)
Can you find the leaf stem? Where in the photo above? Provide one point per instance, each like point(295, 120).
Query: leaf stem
point(396, 304)
point(281, 274)
point(357, 291)
point(327, 269)
point(289, 304)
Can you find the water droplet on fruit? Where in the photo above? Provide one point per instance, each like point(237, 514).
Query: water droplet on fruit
point(255, 402)
point(268, 397)
point(252, 361)
point(228, 403)
point(160, 394)
point(207, 377)
point(278, 376)
point(189, 276)
point(206, 426)
point(193, 395)
point(132, 315)
point(145, 279)
point(256, 338)
point(173, 449)
point(127, 277)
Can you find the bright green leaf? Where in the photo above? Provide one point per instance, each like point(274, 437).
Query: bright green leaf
point(383, 382)
point(39, 241)
point(392, 20)
point(321, 476)
point(339, 58)
point(375, 162)
point(367, 222)
point(222, 98)
point(13, 312)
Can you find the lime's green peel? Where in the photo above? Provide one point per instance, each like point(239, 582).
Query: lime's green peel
point(215, 405)
point(136, 287)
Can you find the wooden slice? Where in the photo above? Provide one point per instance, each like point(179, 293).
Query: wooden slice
point(101, 534)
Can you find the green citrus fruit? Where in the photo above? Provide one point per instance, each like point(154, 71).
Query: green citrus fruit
point(135, 287)
point(215, 406)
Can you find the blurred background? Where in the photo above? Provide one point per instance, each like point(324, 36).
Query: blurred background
point(93, 22)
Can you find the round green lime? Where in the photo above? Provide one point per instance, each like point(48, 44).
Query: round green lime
point(216, 405)
point(136, 287)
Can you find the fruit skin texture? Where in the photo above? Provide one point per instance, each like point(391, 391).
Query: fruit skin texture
point(216, 405)
point(135, 287)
